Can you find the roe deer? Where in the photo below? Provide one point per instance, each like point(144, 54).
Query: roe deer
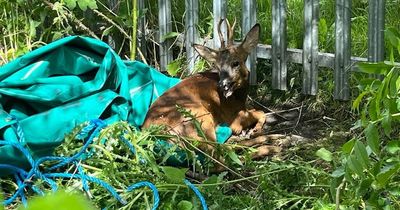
point(214, 97)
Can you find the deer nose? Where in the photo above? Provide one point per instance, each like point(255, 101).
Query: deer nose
point(225, 84)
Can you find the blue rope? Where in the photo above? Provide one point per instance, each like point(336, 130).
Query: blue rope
point(99, 125)
point(13, 168)
point(198, 194)
point(24, 151)
point(85, 185)
point(18, 128)
point(156, 197)
point(103, 184)
point(20, 183)
point(22, 176)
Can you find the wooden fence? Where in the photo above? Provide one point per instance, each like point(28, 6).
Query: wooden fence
point(341, 61)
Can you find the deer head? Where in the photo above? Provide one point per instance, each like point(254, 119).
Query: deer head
point(230, 59)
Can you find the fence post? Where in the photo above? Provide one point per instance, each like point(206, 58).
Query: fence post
point(219, 11)
point(164, 19)
point(191, 21)
point(376, 27)
point(249, 19)
point(343, 49)
point(141, 31)
point(310, 47)
point(279, 64)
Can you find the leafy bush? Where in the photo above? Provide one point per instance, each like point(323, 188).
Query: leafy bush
point(368, 165)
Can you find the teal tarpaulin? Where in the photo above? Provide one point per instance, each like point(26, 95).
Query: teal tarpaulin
point(51, 90)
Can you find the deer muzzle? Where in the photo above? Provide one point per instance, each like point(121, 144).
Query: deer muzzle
point(226, 86)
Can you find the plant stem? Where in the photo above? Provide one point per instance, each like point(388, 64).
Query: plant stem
point(134, 29)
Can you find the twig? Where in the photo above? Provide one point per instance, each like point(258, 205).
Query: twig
point(75, 20)
point(215, 160)
point(298, 119)
point(266, 108)
point(337, 197)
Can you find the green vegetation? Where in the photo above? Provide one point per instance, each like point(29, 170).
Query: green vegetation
point(351, 160)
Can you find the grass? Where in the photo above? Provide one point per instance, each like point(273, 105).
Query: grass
point(299, 180)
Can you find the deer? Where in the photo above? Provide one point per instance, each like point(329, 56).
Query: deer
point(215, 96)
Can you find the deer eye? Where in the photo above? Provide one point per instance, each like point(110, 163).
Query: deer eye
point(235, 64)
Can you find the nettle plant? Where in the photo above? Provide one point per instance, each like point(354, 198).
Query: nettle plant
point(367, 176)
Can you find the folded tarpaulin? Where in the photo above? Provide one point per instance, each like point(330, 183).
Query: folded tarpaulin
point(51, 90)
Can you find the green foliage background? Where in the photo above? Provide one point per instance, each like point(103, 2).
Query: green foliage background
point(360, 172)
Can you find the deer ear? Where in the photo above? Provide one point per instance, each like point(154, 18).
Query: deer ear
point(251, 39)
point(207, 53)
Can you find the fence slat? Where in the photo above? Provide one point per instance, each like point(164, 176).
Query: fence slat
point(279, 65)
point(192, 19)
point(310, 47)
point(219, 11)
point(164, 20)
point(249, 12)
point(141, 35)
point(376, 27)
point(343, 49)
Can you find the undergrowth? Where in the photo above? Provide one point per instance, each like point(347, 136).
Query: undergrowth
point(356, 168)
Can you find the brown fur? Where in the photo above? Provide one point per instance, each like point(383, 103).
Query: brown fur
point(204, 95)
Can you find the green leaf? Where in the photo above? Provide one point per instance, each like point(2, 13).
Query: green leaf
point(357, 101)
point(169, 35)
point(1, 201)
point(71, 4)
point(393, 36)
point(59, 200)
point(324, 154)
point(338, 172)
point(387, 124)
point(363, 187)
point(184, 205)
point(85, 4)
point(372, 109)
point(374, 68)
point(393, 146)
point(174, 67)
point(392, 84)
point(233, 156)
point(174, 175)
point(361, 154)
point(57, 35)
point(348, 146)
point(355, 165)
point(372, 135)
point(386, 173)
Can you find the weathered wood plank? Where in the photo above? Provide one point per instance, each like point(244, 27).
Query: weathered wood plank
point(191, 21)
point(310, 47)
point(343, 49)
point(376, 27)
point(219, 12)
point(141, 35)
point(249, 13)
point(279, 45)
point(164, 20)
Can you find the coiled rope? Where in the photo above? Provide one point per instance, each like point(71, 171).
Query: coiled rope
point(24, 178)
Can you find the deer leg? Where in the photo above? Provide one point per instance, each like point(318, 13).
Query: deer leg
point(259, 140)
point(258, 143)
point(265, 150)
point(247, 118)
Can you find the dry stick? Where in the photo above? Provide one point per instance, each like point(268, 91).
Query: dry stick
point(75, 20)
point(337, 197)
point(268, 109)
point(298, 119)
point(216, 161)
